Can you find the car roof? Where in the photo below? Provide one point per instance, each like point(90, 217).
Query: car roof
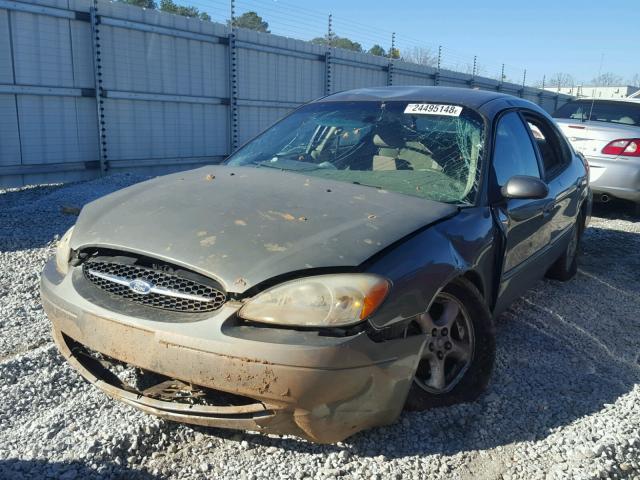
point(468, 97)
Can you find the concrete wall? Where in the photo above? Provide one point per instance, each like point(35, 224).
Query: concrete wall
point(86, 91)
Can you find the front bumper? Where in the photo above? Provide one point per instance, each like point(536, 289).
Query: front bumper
point(618, 177)
point(323, 389)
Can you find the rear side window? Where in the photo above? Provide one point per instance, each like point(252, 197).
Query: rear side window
point(601, 111)
point(555, 154)
point(514, 153)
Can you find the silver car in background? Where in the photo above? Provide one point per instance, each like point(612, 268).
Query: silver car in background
point(607, 133)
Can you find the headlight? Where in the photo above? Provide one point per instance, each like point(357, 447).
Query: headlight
point(319, 301)
point(63, 251)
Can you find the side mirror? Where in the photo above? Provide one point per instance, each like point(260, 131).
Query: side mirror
point(524, 187)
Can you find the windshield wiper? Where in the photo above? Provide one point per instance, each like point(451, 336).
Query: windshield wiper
point(289, 165)
point(267, 164)
point(367, 185)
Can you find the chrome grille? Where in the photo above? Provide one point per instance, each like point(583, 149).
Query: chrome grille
point(160, 289)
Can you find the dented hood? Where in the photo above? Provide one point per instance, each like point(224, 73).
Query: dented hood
point(243, 225)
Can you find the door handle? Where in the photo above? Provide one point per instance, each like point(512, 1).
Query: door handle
point(548, 208)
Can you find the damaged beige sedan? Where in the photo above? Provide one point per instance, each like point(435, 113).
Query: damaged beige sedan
point(345, 264)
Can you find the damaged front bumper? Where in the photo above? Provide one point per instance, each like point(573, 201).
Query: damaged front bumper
point(321, 388)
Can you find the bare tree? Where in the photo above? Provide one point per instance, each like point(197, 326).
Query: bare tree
point(635, 80)
point(468, 68)
point(607, 79)
point(561, 79)
point(421, 56)
point(503, 77)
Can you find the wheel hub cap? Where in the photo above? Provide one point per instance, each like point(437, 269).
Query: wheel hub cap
point(449, 345)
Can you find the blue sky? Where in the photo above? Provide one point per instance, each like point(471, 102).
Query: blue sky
point(542, 36)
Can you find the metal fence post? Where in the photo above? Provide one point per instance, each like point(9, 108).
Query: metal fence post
point(524, 80)
point(436, 78)
point(472, 82)
point(233, 83)
point(98, 86)
point(328, 73)
point(390, 64)
point(328, 80)
point(541, 92)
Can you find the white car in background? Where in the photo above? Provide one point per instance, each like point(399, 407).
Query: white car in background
point(607, 133)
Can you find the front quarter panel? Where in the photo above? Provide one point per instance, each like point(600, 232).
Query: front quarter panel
point(422, 265)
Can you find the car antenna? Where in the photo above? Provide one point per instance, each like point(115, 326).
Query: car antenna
point(593, 96)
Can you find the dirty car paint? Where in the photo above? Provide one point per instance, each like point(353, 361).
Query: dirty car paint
point(251, 223)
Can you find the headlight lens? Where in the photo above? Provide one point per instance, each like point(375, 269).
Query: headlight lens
point(319, 301)
point(63, 251)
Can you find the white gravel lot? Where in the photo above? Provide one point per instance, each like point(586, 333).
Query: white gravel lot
point(564, 401)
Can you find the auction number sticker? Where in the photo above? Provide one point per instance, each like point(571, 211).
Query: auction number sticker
point(433, 109)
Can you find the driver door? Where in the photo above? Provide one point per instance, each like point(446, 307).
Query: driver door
point(523, 222)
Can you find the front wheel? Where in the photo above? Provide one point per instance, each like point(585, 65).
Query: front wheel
point(459, 350)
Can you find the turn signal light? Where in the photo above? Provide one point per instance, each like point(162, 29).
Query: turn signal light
point(374, 298)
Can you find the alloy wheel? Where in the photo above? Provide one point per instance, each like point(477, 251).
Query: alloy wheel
point(449, 345)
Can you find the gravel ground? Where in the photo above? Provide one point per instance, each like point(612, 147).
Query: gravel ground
point(564, 401)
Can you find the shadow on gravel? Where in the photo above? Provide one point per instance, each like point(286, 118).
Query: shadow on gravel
point(31, 217)
point(615, 209)
point(613, 258)
point(19, 469)
point(24, 195)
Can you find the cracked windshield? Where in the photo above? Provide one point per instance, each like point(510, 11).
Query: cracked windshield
point(427, 150)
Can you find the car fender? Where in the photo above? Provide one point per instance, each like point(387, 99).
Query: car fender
point(425, 262)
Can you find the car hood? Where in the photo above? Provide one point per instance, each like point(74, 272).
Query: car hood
point(244, 225)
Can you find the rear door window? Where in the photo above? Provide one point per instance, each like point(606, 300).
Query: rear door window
point(553, 151)
point(625, 113)
point(514, 153)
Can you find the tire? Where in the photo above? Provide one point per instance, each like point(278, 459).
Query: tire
point(566, 267)
point(471, 381)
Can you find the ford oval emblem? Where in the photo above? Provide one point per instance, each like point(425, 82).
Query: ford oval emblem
point(140, 286)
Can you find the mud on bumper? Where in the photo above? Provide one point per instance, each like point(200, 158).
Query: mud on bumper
point(324, 404)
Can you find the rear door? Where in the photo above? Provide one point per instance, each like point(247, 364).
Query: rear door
point(523, 222)
point(562, 180)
